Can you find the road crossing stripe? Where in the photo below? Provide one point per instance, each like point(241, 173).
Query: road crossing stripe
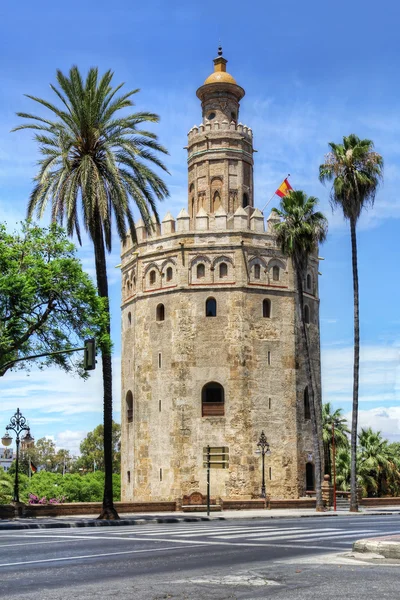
point(292, 531)
point(236, 532)
point(313, 536)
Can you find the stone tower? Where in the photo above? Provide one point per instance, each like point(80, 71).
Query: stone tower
point(210, 342)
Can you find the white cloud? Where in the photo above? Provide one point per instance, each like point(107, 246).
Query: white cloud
point(54, 396)
point(379, 374)
point(385, 420)
point(70, 440)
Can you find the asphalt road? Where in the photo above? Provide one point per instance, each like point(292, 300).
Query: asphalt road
point(234, 559)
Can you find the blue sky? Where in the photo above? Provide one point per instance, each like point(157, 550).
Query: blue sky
point(312, 72)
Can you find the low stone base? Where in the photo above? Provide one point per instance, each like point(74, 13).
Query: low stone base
point(200, 508)
point(292, 503)
point(83, 508)
point(243, 504)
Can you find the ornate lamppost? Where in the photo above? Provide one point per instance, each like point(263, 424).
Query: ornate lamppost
point(17, 424)
point(263, 449)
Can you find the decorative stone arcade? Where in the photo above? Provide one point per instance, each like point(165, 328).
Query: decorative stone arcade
point(210, 342)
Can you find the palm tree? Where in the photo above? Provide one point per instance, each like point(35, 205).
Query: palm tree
point(356, 171)
point(343, 469)
point(341, 429)
point(95, 154)
point(376, 462)
point(299, 233)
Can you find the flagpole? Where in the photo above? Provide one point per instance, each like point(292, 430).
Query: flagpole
point(274, 194)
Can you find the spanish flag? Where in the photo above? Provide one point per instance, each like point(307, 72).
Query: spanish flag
point(284, 188)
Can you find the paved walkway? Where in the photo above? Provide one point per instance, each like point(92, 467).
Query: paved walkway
point(387, 546)
point(179, 517)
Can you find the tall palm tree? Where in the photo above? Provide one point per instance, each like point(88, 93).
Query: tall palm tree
point(356, 171)
point(299, 233)
point(341, 429)
point(94, 154)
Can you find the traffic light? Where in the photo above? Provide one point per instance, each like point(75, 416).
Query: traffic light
point(89, 355)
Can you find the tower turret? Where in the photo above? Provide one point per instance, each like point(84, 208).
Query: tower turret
point(220, 150)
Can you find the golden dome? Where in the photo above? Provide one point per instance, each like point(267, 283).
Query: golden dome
point(220, 77)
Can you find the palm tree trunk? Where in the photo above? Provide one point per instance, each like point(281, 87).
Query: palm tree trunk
point(356, 370)
point(316, 422)
point(108, 510)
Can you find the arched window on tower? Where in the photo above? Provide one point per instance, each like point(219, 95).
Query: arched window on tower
point(169, 273)
point(307, 411)
point(200, 271)
point(306, 313)
point(309, 477)
point(267, 308)
point(129, 407)
point(223, 270)
point(160, 312)
point(245, 200)
point(257, 271)
point(216, 201)
point(152, 277)
point(211, 307)
point(308, 282)
point(275, 273)
point(212, 400)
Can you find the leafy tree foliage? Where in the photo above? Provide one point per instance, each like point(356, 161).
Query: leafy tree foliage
point(92, 449)
point(97, 156)
point(47, 302)
point(333, 417)
point(6, 487)
point(45, 456)
point(72, 487)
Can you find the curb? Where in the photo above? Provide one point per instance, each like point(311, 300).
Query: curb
point(104, 523)
point(379, 547)
point(18, 525)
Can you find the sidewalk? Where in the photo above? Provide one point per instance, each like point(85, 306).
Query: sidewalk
point(387, 546)
point(179, 517)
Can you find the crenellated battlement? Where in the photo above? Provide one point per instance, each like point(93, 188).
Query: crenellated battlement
point(243, 220)
point(217, 126)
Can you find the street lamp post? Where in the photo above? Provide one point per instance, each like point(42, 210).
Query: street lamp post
point(17, 424)
point(263, 449)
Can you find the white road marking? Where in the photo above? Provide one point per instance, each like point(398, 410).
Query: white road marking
point(292, 532)
point(241, 544)
point(233, 533)
point(314, 536)
point(48, 560)
point(31, 543)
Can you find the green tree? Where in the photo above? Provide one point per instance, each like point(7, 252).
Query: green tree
point(356, 171)
point(95, 153)
point(299, 233)
point(341, 430)
point(343, 468)
point(92, 449)
point(47, 302)
point(6, 487)
point(377, 465)
point(72, 487)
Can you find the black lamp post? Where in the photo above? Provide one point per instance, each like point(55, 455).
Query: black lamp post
point(17, 424)
point(263, 449)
